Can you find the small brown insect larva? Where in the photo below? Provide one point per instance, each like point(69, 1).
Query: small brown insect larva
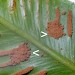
point(69, 23)
point(64, 13)
point(43, 72)
point(25, 71)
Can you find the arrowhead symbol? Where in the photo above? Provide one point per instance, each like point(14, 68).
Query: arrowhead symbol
point(44, 34)
point(35, 52)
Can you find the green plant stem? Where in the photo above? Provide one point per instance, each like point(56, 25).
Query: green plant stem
point(38, 44)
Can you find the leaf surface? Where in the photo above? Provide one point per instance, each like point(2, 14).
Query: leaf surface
point(37, 13)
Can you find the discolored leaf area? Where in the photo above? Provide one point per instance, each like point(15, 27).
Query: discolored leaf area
point(23, 21)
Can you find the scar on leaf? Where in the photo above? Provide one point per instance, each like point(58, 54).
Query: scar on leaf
point(54, 28)
point(29, 69)
point(17, 55)
point(69, 25)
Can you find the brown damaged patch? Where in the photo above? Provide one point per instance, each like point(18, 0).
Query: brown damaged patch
point(69, 25)
point(25, 71)
point(43, 72)
point(17, 55)
point(14, 5)
point(54, 28)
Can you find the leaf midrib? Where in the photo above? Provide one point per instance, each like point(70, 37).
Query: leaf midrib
point(38, 44)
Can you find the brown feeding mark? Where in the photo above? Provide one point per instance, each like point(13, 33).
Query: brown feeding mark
point(58, 14)
point(25, 71)
point(17, 55)
point(13, 5)
point(43, 72)
point(54, 28)
point(69, 23)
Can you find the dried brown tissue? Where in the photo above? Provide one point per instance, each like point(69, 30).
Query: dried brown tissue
point(69, 25)
point(17, 55)
point(43, 72)
point(54, 28)
point(13, 7)
point(25, 71)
